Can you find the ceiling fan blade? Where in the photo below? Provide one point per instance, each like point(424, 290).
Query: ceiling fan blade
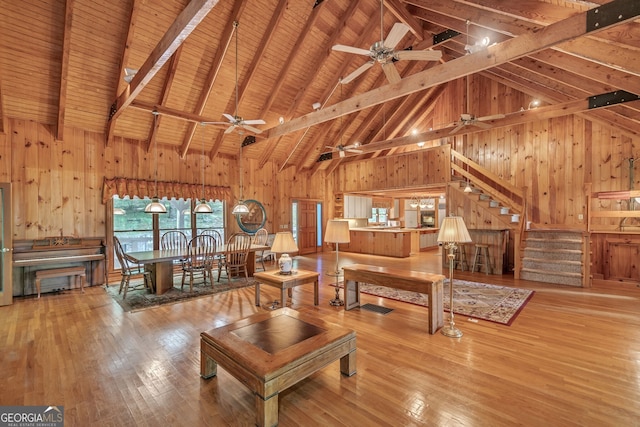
point(391, 72)
point(457, 128)
point(229, 117)
point(254, 122)
point(481, 125)
point(352, 150)
point(341, 153)
point(493, 117)
point(351, 49)
point(418, 55)
point(251, 128)
point(395, 35)
point(230, 129)
point(361, 69)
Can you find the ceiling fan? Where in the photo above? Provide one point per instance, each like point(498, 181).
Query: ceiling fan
point(383, 52)
point(342, 150)
point(468, 119)
point(235, 120)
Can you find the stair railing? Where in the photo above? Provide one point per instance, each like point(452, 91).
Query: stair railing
point(500, 190)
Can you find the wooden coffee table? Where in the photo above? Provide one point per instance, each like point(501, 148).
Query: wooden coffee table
point(284, 282)
point(271, 351)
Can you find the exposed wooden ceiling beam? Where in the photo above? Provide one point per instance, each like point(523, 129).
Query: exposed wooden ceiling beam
point(519, 117)
point(501, 53)
point(399, 10)
point(184, 24)
point(225, 40)
point(173, 65)
point(317, 65)
point(277, 84)
point(64, 71)
point(510, 20)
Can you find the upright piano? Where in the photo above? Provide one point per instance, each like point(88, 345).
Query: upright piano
point(30, 256)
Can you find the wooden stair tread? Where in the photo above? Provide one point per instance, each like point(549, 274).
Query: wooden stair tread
point(553, 261)
point(552, 273)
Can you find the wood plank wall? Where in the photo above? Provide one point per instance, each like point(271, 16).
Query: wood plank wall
point(553, 158)
point(57, 185)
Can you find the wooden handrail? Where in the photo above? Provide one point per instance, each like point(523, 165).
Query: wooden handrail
point(513, 196)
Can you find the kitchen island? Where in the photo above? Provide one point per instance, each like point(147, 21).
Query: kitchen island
point(387, 241)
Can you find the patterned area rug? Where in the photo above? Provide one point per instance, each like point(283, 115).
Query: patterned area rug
point(498, 304)
point(141, 299)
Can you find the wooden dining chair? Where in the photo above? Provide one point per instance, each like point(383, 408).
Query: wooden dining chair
point(260, 238)
point(130, 270)
point(235, 257)
point(200, 259)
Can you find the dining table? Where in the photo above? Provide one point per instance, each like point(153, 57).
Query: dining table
point(160, 263)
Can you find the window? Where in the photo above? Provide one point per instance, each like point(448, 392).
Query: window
point(135, 228)
point(378, 215)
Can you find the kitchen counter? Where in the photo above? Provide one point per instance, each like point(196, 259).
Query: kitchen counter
point(386, 241)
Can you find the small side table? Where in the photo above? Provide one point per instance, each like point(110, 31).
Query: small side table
point(285, 282)
point(336, 301)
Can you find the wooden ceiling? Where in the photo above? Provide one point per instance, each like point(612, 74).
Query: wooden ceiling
point(63, 63)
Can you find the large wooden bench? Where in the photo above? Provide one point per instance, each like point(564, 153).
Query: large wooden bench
point(75, 272)
point(406, 280)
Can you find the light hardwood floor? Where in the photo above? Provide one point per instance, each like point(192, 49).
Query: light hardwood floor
point(571, 358)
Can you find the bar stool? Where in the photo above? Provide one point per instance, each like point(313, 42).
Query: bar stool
point(460, 260)
point(481, 257)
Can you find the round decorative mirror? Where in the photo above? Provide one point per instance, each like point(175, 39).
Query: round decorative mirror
point(255, 219)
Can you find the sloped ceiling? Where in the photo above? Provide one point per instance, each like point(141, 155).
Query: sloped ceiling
point(63, 63)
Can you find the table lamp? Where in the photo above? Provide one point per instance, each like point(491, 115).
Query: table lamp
point(283, 244)
point(452, 231)
point(337, 232)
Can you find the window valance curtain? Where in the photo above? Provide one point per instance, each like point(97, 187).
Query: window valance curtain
point(146, 188)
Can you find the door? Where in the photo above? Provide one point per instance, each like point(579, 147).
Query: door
point(307, 227)
point(6, 245)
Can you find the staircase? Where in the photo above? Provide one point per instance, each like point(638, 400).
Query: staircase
point(553, 256)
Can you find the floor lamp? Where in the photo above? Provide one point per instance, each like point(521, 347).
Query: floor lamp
point(337, 232)
point(452, 232)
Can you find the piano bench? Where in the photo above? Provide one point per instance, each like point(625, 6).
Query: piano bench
point(76, 272)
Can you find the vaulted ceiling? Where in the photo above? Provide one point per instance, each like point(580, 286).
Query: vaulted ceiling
point(63, 63)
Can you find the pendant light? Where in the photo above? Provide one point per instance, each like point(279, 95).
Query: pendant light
point(240, 208)
point(155, 207)
point(202, 206)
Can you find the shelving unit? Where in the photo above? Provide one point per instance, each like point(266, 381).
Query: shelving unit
point(338, 206)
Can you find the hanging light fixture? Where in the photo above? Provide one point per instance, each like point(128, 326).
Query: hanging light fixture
point(202, 206)
point(414, 202)
point(422, 203)
point(155, 207)
point(468, 188)
point(240, 208)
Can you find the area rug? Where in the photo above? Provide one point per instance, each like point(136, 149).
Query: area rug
point(498, 304)
point(142, 299)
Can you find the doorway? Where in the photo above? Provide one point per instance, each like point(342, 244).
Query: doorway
point(307, 225)
point(6, 245)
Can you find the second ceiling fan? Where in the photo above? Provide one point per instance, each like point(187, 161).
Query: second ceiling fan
point(383, 52)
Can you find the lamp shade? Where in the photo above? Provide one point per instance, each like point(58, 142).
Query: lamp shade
point(202, 207)
point(453, 230)
point(337, 231)
point(284, 243)
point(240, 208)
point(155, 207)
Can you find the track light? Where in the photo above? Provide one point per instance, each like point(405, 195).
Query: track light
point(478, 46)
point(129, 74)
